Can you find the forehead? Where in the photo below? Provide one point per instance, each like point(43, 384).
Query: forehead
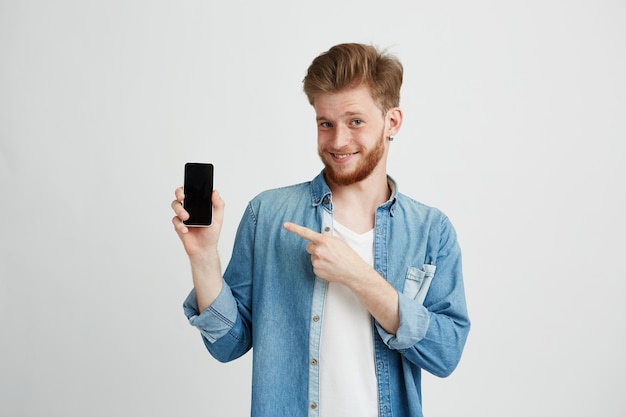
point(357, 100)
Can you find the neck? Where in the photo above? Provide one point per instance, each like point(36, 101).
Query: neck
point(355, 205)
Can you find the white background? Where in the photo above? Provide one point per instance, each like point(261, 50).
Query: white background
point(515, 126)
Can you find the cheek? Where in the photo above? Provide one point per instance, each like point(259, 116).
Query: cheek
point(323, 138)
point(320, 141)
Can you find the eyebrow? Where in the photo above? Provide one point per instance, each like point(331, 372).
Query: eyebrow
point(346, 114)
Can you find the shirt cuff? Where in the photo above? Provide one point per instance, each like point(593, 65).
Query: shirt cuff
point(217, 319)
point(414, 321)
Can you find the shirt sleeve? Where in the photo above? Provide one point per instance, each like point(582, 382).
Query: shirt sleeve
point(432, 335)
point(217, 319)
point(410, 331)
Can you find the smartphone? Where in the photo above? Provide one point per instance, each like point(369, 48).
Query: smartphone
point(198, 188)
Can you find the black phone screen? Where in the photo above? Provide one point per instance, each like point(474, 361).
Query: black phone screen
point(198, 189)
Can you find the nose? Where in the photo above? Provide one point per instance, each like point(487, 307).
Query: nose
point(340, 137)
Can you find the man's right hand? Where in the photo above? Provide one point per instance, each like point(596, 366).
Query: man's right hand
point(201, 246)
point(198, 241)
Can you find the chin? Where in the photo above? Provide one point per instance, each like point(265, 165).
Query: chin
point(346, 178)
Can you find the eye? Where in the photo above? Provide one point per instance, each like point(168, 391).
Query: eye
point(326, 124)
point(357, 122)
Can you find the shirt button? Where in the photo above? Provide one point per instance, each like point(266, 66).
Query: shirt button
point(327, 229)
point(313, 362)
point(326, 201)
point(313, 406)
point(316, 318)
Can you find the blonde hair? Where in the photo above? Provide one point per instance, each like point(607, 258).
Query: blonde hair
point(350, 65)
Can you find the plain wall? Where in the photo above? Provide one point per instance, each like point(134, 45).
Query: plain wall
point(515, 126)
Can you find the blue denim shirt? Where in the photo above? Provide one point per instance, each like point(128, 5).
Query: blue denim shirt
point(271, 300)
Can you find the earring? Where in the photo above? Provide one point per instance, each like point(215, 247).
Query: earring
point(391, 138)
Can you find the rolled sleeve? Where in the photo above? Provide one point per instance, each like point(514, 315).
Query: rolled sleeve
point(217, 319)
point(414, 322)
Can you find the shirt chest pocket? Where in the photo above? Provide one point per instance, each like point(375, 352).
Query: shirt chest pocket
point(418, 281)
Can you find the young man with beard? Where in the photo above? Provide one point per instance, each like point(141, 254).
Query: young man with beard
point(345, 288)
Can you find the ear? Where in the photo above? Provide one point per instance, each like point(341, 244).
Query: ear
point(393, 121)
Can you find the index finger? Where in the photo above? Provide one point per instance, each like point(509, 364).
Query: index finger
point(180, 194)
point(303, 232)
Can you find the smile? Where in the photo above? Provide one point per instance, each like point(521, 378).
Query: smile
point(342, 155)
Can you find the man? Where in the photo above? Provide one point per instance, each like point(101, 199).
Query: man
point(345, 288)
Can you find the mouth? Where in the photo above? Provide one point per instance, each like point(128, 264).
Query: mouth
point(342, 156)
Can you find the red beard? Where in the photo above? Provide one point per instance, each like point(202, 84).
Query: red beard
point(342, 176)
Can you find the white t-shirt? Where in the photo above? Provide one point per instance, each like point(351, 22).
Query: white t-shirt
point(348, 385)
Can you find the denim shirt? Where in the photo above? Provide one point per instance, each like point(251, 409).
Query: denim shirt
point(271, 300)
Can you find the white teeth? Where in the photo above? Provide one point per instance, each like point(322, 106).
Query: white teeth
point(341, 156)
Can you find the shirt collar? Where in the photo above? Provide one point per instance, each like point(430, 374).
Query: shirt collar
point(320, 193)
